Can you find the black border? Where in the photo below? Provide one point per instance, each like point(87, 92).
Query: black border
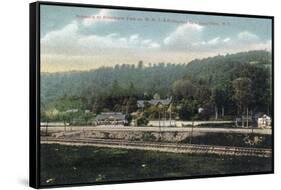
point(34, 96)
point(34, 90)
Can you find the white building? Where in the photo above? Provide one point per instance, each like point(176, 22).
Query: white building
point(264, 121)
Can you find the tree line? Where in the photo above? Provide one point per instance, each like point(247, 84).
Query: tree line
point(223, 85)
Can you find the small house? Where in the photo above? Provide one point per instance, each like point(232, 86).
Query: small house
point(264, 121)
point(111, 118)
point(142, 103)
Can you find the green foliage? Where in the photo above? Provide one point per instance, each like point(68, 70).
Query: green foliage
point(151, 112)
point(129, 118)
point(148, 136)
point(156, 96)
point(50, 115)
point(203, 95)
point(70, 102)
point(142, 121)
point(242, 92)
point(206, 83)
point(184, 89)
point(112, 164)
point(187, 109)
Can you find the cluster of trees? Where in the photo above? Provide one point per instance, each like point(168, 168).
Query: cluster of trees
point(220, 85)
point(69, 109)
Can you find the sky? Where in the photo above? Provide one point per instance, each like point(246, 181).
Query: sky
point(79, 38)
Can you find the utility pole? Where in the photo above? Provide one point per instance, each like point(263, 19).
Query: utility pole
point(159, 118)
point(47, 128)
point(191, 132)
point(216, 110)
point(170, 118)
point(165, 114)
point(170, 114)
point(247, 121)
point(159, 107)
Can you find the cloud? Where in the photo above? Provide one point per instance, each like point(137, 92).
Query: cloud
point(243, 41)
point(70, 47)
point(246, 40)
point(190, 37)
point(69, 40)
point(247, 36)
point(213, 43)
point(60, 41)
point(184, 36)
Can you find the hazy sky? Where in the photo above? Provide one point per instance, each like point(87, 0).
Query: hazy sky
point(74, 38)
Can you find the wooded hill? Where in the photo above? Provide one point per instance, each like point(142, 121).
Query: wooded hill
point(231, 81)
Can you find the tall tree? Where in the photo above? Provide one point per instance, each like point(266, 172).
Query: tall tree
point(140, 64)
point(184, 88)
point(131, 90)
point(219, 100)
point(242, 93)
point(116, 90)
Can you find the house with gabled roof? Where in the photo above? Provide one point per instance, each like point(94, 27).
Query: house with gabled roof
point(105, 118)
point(142, 103)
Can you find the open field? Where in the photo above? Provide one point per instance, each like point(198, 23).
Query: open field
point(72, 164)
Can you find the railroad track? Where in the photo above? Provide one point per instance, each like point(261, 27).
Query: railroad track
point(163, 146)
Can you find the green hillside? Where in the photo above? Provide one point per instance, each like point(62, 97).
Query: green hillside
point(202, 82)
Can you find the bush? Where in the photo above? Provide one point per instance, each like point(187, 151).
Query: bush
point(142, 121)
point(147, 136)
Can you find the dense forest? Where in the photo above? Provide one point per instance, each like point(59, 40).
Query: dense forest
point(229, 84)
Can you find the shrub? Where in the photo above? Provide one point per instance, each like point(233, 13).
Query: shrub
point(147, 136)
point(142, 121)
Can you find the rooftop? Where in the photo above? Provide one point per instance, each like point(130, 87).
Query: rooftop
point(141, 103)
point(111, 116)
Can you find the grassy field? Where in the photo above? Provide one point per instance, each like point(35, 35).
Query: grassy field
point(73, 164)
